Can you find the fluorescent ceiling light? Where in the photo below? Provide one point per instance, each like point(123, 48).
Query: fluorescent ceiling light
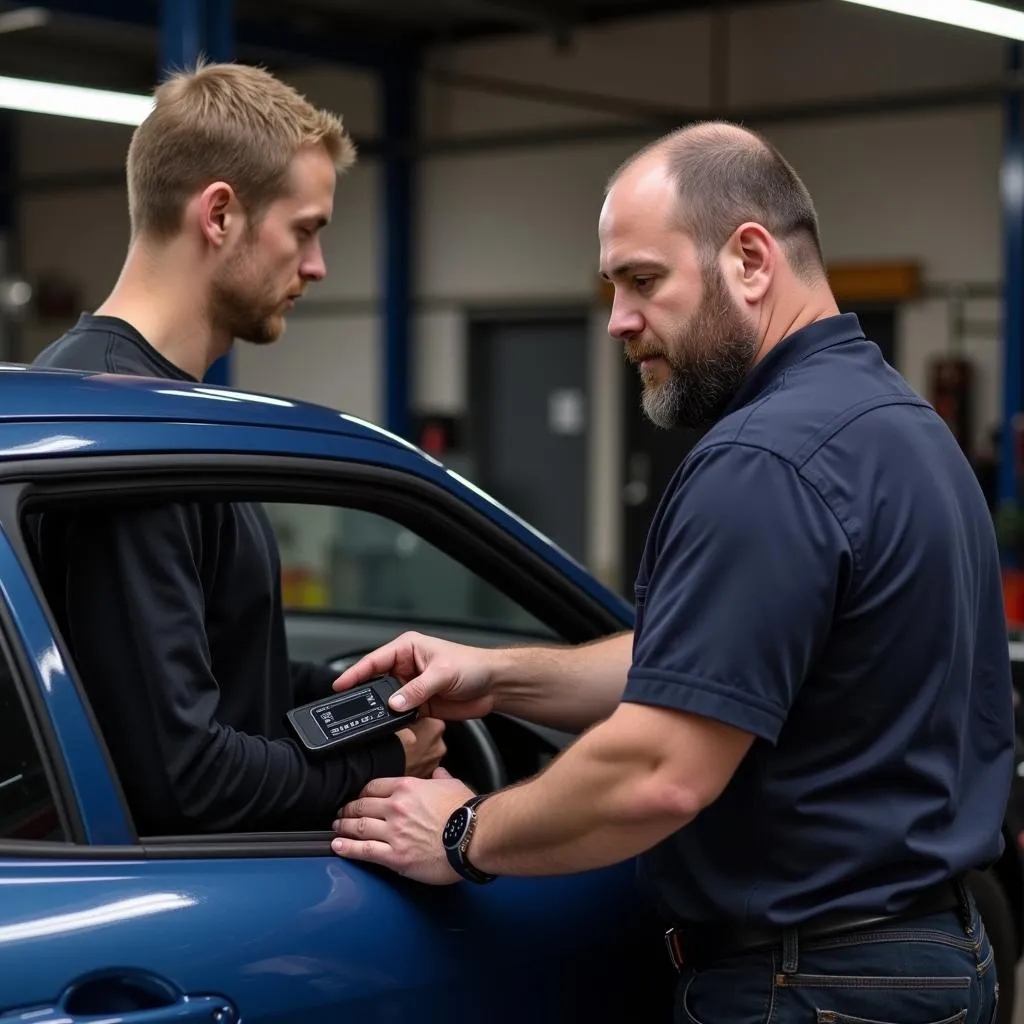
point(983, 17)
point(24, 18)
point(73, 101)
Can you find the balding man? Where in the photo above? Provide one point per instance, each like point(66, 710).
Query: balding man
point(809, 736)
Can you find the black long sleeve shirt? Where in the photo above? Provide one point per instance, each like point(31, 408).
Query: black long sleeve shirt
point(173, 615)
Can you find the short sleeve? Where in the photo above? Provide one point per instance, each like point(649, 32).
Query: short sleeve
point(747, 567)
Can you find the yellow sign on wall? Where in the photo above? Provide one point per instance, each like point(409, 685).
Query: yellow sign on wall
point(875, 281)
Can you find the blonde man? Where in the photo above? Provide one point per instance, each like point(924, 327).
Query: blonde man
point(231, 180)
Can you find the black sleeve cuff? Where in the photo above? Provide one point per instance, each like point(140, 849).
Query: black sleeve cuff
point(389, 758)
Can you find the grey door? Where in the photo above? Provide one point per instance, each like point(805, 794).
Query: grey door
point(651, 455)
point(879, 324)
point(528, 420)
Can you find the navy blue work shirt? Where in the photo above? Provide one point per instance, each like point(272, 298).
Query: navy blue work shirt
point(823, 573)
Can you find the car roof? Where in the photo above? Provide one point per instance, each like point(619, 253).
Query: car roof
point(51, 397)
point(55, 395)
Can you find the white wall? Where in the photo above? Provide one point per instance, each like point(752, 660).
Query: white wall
point(77, 234)
point(520, 224)
point(333, 358)
point(517, 226)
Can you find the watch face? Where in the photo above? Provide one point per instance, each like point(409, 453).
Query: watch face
point(456, 827)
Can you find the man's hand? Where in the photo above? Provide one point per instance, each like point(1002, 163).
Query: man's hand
point(397, 823)
point(424, 746)
point(450, 680)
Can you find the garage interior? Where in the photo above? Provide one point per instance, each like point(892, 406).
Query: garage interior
point(462, 308)
point(480, 125)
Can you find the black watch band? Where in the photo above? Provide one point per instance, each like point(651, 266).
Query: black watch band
point(458, 831)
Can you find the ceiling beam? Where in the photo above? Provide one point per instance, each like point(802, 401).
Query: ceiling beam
point(556, 17)
point(272, 37)
point(762, 116)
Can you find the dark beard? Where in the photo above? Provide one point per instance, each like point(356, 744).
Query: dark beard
point(709, 358)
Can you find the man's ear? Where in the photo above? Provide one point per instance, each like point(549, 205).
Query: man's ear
point(218, 211)
point(751, 260)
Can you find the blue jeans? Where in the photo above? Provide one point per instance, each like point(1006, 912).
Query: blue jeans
point(930, 970)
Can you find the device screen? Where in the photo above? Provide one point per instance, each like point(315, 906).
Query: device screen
point(349, 712)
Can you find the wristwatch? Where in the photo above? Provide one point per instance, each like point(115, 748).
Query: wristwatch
point(458, 831)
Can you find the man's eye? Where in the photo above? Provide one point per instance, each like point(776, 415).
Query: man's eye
point(642, 283)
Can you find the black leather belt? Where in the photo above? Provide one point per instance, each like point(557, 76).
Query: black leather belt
point(698, 944)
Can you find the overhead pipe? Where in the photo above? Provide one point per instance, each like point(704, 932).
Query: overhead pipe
point(658, 121)
point(981, 95)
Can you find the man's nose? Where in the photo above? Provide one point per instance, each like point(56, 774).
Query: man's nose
point(313, 268)
point(624, 323)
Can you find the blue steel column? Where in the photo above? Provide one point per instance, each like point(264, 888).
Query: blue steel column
point(181, 34)
point(398, 81)
point(1013, 284)
point(220, 30)
point(190, 29)
point(219, 23)
point(10, 334)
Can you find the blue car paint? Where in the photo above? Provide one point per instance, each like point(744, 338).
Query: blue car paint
point(283, 938)
point(21, 440)
point(320, 939)
point(62, 399)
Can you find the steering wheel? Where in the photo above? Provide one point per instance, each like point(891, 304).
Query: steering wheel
point(472, 755)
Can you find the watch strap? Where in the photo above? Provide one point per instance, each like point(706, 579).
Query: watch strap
point(457, 856)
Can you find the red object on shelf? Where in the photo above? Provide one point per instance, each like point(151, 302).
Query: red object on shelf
point(1013, 596)
point(951, 386)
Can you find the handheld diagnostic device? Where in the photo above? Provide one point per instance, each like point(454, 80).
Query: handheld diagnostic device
point(354, 716)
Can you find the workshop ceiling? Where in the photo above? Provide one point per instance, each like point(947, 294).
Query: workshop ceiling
point(114, 44)
point(433, 21)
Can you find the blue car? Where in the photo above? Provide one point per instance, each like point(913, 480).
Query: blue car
point(98, 922)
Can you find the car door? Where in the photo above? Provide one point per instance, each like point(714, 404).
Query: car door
point(96, 920)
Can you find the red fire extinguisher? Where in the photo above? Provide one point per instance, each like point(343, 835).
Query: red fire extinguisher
point(951, 387)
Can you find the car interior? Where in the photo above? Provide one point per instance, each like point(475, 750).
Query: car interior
point(355, 577)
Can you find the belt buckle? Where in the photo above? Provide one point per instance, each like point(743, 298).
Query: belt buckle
point(675, 954)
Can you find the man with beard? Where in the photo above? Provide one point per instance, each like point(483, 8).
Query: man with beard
point(173, 612)
point(808, 738)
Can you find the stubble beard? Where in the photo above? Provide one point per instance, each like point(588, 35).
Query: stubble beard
point(239, 303)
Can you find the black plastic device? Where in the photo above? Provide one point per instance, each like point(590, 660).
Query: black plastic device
point(358, 715)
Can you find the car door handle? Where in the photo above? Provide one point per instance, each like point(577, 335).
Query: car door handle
point(126, 997)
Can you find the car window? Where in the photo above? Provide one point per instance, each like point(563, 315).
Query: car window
point(27, 807)
point(351, 562)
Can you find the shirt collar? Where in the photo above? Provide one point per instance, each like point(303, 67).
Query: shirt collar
point(794, 348)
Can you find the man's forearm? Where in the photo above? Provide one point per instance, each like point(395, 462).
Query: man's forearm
point(567, 688)
point(607, 798)
point(627, 784)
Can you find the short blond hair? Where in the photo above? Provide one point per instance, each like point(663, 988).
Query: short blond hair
point(222, 122)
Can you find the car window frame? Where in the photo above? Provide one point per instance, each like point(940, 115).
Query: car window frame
point(495, 554)
point(45, 741)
